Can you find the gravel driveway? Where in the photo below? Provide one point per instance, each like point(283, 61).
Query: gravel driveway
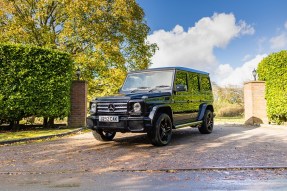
point(229, 146)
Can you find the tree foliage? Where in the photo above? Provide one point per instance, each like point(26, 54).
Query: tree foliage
point(228, 101)
point(273, 70)
point(105, 38)
point(34, 81)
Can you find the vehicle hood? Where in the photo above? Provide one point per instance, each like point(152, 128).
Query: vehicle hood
point(131, 96)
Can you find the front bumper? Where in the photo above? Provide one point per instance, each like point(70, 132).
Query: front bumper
point(125, 124)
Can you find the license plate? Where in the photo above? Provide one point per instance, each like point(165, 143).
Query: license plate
point(109, 118)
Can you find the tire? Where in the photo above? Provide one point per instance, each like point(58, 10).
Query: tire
point(101, 135)
point(160, 134)
point(207, 123)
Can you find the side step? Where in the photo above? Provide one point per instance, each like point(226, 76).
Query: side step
point(189, 124)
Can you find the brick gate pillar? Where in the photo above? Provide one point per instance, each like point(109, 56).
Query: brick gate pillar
point(255, 103)
point(78, 114)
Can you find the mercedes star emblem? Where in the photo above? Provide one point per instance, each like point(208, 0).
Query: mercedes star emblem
point(111, 107)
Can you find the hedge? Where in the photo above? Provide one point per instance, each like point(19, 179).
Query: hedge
point(34, 81)
point(273, 70)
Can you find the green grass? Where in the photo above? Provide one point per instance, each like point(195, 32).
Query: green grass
point(235, 120)
point(7, 135)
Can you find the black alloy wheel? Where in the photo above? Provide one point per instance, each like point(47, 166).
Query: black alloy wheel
point(160, 134)
point(101, 135)
point(207, 123)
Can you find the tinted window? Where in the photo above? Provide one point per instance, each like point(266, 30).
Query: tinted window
point(180, 78)
point(193, 85)
point(205, 83)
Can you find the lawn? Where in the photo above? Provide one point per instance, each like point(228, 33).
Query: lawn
point(7, 135)
point(229, 120)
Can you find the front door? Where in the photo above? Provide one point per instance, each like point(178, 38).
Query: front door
point(180, 104)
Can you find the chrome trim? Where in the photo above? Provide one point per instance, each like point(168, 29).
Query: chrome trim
point(105, 107)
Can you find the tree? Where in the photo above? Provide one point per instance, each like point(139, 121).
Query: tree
point(228, 101)
point(105, 38)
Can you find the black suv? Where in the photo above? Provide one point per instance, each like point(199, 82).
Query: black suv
point(155, 101)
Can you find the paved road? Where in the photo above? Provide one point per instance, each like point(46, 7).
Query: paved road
point(131, 163)
point(117, 181)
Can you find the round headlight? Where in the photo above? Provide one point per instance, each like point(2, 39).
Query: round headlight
point(137, 107)
point(93, 108)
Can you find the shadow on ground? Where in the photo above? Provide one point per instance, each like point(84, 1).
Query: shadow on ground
point(227, 146)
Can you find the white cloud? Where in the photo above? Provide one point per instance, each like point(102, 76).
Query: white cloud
point(246, 57)
point(245, 28)
point(226, 75)
point(194, 48)
point(279, 42)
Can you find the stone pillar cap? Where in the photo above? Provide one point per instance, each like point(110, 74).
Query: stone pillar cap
point(254, 82)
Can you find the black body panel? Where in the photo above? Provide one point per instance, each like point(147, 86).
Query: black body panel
point(184, 102)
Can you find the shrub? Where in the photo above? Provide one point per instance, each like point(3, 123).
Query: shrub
point(34, 81)
point(273, 69)
point(230, 111)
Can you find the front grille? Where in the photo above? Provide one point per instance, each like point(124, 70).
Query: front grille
point(112, 107)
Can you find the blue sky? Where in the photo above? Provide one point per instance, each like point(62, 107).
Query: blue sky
point(226, 38)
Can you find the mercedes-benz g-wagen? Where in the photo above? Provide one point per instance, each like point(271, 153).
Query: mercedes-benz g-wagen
point(155, 101)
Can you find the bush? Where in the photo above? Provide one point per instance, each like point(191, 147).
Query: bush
point(230, 111)
point(34, 82)
point(273, 69)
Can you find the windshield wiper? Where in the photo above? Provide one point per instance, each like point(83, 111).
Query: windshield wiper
point(156, 87)
point(139, 88)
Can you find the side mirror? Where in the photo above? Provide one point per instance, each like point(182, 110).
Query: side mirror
point(181, 88)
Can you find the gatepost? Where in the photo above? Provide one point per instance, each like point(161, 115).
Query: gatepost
point(78, 114)
point(255, 103)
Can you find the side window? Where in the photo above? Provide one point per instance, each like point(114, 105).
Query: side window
point(205, 83)
point(180, 78)
point(193, 83)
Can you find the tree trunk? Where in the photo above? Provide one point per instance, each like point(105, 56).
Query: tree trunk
point(14, 125)
point(45, 122)
point(51, 122)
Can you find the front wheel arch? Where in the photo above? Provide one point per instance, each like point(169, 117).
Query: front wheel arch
point(158, 110)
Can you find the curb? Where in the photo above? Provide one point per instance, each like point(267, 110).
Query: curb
point(41, 137)
point(243, 168)
point(208, 169)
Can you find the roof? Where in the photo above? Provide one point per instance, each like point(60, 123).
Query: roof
point(178, 68)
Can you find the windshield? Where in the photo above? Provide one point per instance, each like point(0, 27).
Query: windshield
point(148, 81)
